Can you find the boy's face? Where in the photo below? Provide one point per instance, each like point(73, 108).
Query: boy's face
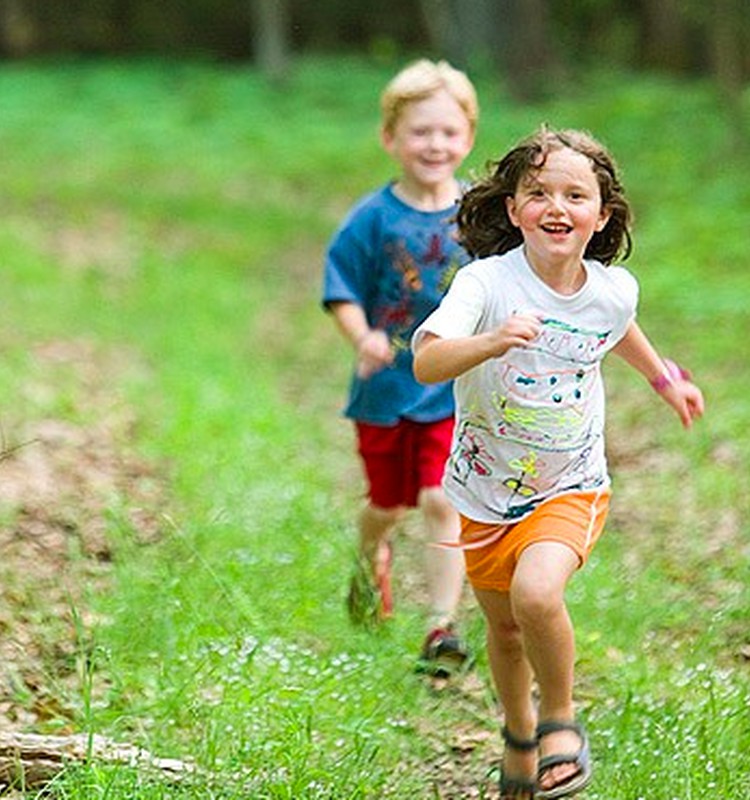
point(430, 140)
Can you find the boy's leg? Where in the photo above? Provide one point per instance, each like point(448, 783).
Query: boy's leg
point(370, 598)
point(370, 591)
point(512, 676)
point(444, 568)
point(443, 652)
point(375, 527)
point(538, 605)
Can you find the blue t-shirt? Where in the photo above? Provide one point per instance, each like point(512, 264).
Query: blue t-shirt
point(396, 262)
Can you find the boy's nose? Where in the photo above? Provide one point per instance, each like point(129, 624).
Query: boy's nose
point(436, 139)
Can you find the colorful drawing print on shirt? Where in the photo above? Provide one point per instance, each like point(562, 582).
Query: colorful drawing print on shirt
point(555, 387)
point(517, 483)
point(470, 455)
point(546, 409)
point(580, 345)
point(546, 427)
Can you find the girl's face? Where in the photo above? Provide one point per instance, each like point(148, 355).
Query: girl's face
point(430, 140)
point(558, 209)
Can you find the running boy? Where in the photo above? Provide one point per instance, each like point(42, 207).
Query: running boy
point(524, 330)
point(386, 269)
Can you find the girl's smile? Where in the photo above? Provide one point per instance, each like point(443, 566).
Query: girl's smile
point(558, 209)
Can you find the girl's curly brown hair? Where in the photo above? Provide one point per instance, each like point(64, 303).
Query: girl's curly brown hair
point(483, 223)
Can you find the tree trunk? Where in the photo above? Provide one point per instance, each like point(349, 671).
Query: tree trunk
point(728, 63)
point(664, 35)
point(18, 34)
point(270, 42)
point(465, 33)
point(525, 46)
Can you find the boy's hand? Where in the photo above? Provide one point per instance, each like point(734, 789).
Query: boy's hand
point(373, 353)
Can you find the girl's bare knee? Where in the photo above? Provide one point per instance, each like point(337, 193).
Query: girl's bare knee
point(507, 636)
point(535, 600)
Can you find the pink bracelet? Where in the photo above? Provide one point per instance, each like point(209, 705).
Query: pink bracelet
point(672, 372)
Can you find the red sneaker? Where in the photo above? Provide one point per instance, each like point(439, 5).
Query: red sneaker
point(444, 654)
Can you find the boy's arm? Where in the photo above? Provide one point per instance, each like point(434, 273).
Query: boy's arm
point(437, 359)
point(674, 387)
point(370, 344)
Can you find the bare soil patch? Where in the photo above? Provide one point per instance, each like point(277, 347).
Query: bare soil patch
point(64, 478)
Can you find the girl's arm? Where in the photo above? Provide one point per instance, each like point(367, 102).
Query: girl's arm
point(674, 388)
point(437, 359)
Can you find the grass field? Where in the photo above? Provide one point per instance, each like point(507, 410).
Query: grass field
point(161, 248)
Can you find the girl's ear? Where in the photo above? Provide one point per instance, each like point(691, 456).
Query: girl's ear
point(604, 216)
point(510, 207)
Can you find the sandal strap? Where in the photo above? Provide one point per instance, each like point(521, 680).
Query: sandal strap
point(547, 762)
point(556, 725)
point(514, 786)
point(524, 745)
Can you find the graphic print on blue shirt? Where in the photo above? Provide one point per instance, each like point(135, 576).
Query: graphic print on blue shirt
point(396, 262)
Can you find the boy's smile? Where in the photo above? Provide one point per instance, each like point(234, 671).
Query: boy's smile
point(430, 140)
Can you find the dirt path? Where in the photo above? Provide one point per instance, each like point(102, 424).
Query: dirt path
point(62, 479)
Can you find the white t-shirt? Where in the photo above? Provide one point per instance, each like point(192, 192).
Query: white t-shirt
point(530, 424)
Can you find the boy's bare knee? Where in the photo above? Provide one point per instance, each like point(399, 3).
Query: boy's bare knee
point(434, 503)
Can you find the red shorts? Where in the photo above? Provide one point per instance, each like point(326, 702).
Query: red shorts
point(402, 459)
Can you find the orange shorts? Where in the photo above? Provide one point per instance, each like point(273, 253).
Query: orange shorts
point(575, 519)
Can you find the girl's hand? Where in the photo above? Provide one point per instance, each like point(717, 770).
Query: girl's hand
point(686, 399)
point(373, 353)
point(675, 386)
point(519, 330)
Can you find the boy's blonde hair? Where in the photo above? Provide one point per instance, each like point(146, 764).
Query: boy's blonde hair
point(418, 81)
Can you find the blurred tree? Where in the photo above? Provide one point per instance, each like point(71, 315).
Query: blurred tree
point(730, 39)
point(463, 31)
point(270, 37)
point(527, 49)
point(18, 31)
point(528, 42)
point(664, 35)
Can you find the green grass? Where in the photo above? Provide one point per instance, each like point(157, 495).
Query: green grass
point(175, 214)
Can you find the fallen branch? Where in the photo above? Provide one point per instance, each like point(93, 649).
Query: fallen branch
point(31, 759)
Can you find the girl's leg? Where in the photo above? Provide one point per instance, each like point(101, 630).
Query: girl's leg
point(444, 568)
point(512, 676)
point(538, 604)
